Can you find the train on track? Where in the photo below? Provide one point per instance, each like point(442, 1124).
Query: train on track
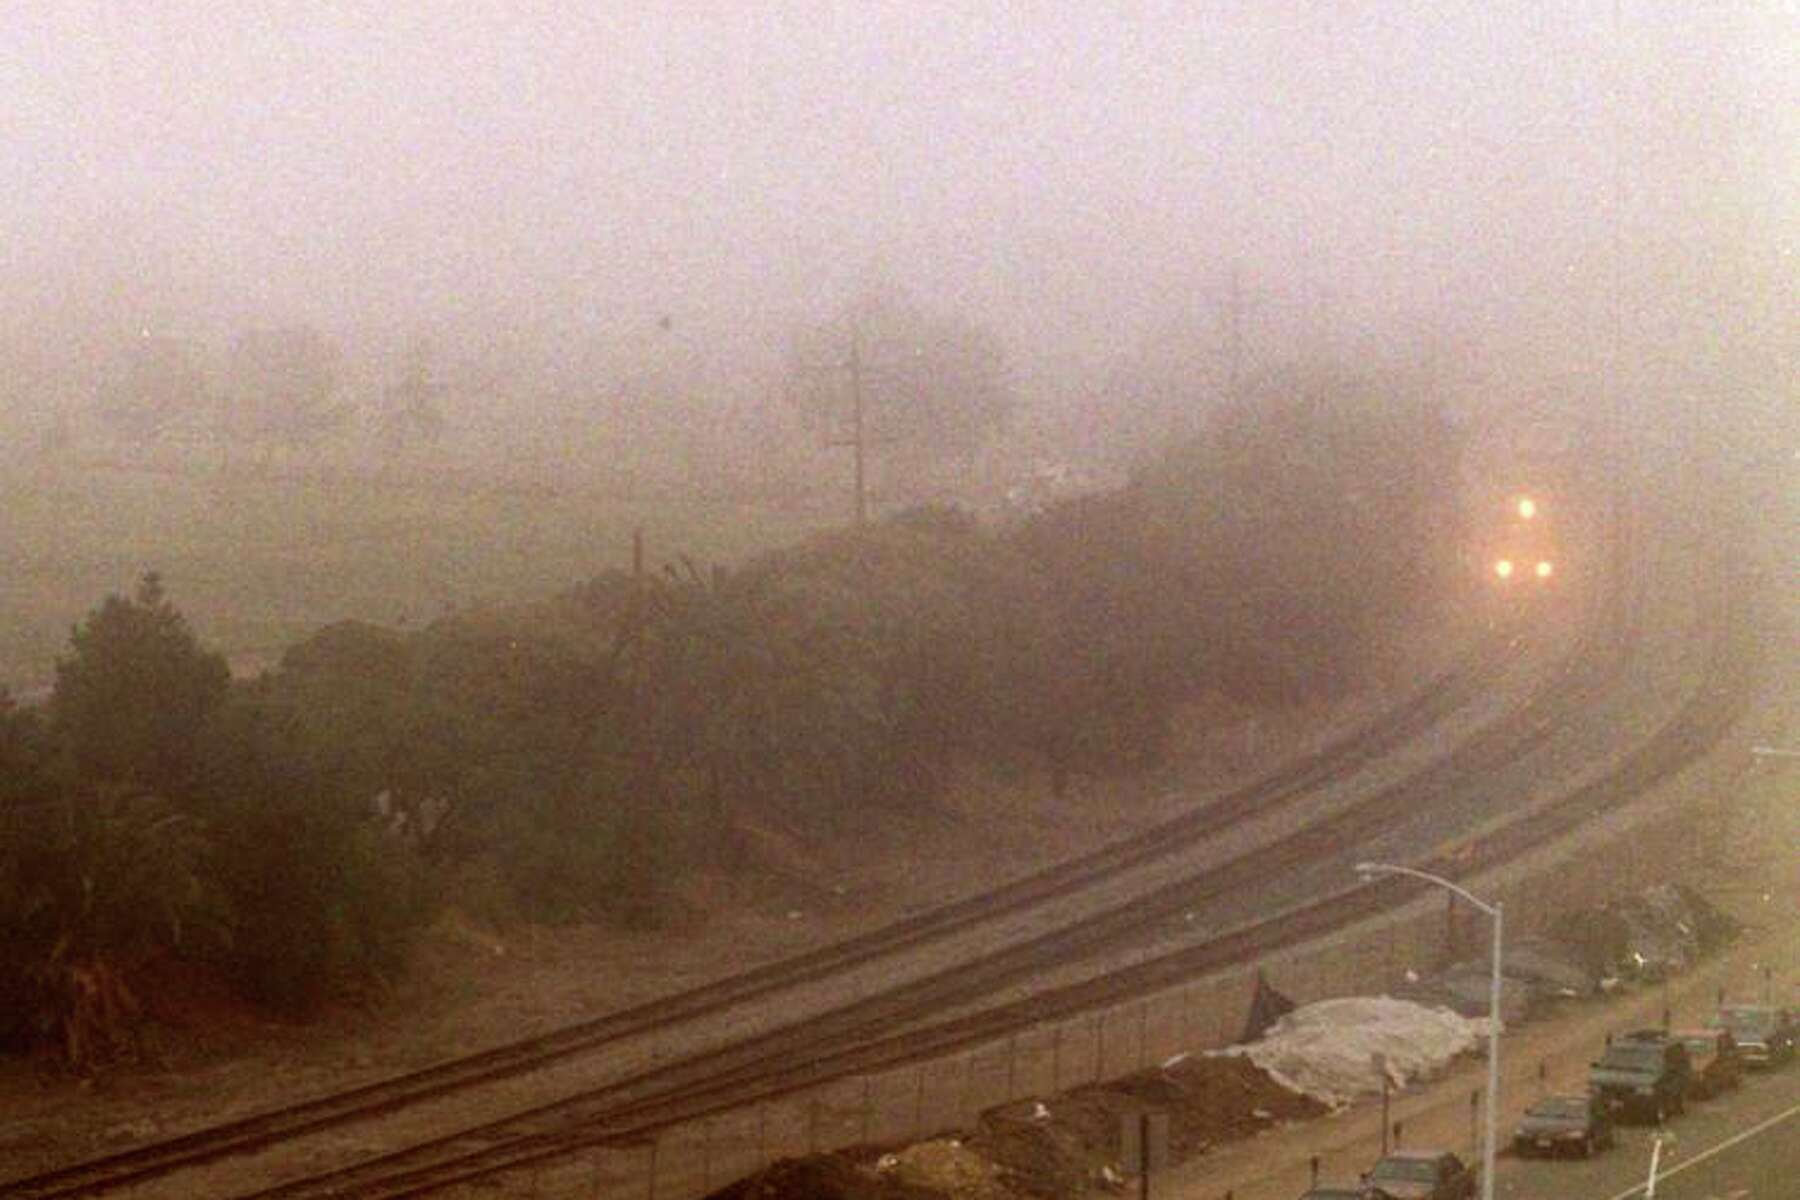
point(1523, 556)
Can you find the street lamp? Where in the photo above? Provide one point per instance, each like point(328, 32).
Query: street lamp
point(1371, 870)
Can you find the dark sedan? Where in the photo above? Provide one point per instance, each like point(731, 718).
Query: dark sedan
point(1420, 1175)
point(1564, 1125)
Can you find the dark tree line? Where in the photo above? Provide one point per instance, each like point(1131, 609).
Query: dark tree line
point(574, 758)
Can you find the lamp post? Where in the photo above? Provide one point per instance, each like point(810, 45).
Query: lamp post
point(1490, 1144)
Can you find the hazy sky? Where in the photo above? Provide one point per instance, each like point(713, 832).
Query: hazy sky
point(1071, 172)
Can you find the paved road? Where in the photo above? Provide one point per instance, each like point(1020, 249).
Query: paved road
point(1759, 1163)
point(1744, 1146)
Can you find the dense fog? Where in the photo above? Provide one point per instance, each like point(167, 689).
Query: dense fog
point(586, 222)
point(445, 416)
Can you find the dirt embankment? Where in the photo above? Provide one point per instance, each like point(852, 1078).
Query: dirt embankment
point(1065, 1146)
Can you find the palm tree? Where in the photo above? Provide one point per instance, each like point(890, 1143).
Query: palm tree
point(96, 886)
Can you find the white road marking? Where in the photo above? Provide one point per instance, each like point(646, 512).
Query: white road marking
point(1728, 1143)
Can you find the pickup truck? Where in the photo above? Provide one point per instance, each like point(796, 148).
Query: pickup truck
point(1645, 1074)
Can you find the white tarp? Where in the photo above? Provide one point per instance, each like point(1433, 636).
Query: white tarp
point(1328, 1050)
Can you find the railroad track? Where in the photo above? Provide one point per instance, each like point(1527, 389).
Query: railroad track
point(1406, 721)
point(1470, 677)
point(873, 1033)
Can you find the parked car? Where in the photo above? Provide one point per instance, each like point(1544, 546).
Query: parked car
point(1564, 1125)
point(1420, 1175)
point(1713, 1056)
point(1764, 1033)
point(1644, 1074)
point(1342, 1192)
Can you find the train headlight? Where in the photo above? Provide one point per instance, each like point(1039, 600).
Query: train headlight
point(1527, 508)
point(1544, 569)
point(1504, 568)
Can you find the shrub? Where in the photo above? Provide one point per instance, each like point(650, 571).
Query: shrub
point(324, 900)
point(95, 885)
point(586, 855)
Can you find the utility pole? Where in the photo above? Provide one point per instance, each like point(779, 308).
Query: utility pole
point(858, 443)
point(861, 375)
point(1235, 318)
point(1628, 532)
point(858, 440)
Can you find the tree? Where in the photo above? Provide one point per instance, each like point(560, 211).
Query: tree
point(152, 385)
point(27, 755)
point(134, 691)
point(95, 886)
point(929, 384)
point(323, 899)
point(412, 416)
point(1311, 517)
point(1162, 392)
point(284, 382)
point(1124, 642)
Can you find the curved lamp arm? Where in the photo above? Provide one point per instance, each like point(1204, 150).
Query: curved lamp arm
point(1370, 870)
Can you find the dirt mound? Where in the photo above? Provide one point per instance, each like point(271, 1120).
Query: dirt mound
point(949, 1166)
point(824, 1177)
point(1046, 1149)
point(1055, 1149)
point(1660, 931)
point(1218, 1099)
point(1059, 1147)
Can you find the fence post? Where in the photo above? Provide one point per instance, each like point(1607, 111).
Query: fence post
point(1475, 1124)
point(918, 1122)
point(963, 1115)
